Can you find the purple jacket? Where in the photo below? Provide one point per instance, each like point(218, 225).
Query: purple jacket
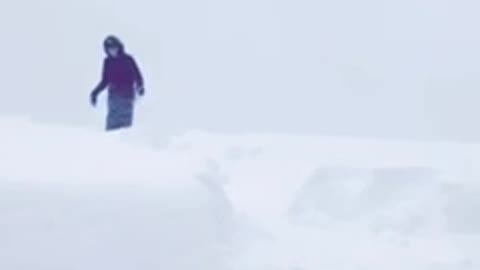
point(120, 74)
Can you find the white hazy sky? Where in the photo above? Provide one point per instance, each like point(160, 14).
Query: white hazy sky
point(406, 69)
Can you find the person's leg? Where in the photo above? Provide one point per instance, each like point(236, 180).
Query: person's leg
point(126, 112)
point(112, 112)
point(120, 112)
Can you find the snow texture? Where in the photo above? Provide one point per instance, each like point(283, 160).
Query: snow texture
point(76, 199)
point(237, 194)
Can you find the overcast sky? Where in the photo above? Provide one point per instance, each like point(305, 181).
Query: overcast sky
point(405, 69)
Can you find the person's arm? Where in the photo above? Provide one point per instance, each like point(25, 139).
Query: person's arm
point(101, 85)
point(138, 77)
point(103, 82)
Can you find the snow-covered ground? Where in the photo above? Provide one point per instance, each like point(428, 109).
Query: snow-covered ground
point(78, 199)
point(73, 198)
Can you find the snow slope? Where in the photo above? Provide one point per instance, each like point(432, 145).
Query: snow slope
point(77, 199)
point(343, 203)
point(71, 199)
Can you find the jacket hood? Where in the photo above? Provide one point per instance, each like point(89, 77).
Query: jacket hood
point(113, 41)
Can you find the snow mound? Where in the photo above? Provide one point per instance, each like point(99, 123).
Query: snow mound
point(77, 199)
point(345, 203)
point(73, 199)
point(403, 199)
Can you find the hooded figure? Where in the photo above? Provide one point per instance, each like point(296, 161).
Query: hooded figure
point(124, 81)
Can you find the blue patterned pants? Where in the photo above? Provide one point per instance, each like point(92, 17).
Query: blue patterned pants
point(120, 112)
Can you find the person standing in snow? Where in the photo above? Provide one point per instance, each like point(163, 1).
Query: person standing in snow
point(124, 81)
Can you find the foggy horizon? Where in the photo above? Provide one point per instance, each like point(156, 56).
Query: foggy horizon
point(406, 70)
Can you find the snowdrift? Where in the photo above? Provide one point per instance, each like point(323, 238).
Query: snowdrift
point(76, 199)
point(344, 203)
point(71, 199)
